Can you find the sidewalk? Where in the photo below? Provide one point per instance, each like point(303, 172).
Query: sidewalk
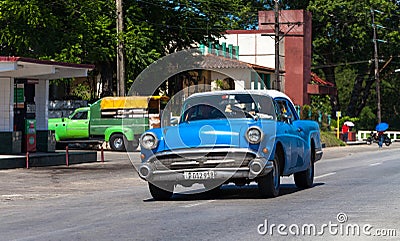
point(356, 142)
point(47, 159)
point(342, 151)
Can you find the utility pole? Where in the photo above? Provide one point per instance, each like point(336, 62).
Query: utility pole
point(120, 51)
point(277, 77)
point(378, 91)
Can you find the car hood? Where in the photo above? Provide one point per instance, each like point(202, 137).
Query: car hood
point(205, 133)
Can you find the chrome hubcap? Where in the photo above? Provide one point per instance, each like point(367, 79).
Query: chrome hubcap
point(118, 142)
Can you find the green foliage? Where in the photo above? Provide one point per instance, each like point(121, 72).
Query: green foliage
point(367, 119)
point(330, 139)
point(345, 76)
point(321, 103)
point(307, 112)
point(138, 49)
point(343, 49)
point(82, 92)
point(222, 85)
point(82, 31)
point(319, 111)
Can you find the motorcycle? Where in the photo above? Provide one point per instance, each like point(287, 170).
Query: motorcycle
point(374, 138)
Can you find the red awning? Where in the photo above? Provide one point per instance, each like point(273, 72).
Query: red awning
point(319, 86)
point(318, 80)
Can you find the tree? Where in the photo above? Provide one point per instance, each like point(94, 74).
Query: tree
point(83, 31)
point(342, 34)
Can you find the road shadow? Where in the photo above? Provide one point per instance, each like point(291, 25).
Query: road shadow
point(228, 192)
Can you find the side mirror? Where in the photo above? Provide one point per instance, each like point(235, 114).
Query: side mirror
point(63, 119)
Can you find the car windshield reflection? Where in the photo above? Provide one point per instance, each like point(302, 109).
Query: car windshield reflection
point(227, 107)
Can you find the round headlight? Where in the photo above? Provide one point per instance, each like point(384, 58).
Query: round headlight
point(254, 135)
point(148, 140)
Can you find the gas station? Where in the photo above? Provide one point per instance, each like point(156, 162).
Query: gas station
point(24, 94)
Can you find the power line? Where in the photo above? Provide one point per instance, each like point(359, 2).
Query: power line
point(340, 64)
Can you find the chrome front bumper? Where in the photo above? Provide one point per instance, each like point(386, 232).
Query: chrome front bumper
point(257, 166)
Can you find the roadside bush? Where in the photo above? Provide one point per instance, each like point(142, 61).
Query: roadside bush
point(329, 139)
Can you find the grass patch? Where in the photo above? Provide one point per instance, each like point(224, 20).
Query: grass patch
point(329, 139)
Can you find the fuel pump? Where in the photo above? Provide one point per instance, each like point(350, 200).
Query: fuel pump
point(25, 113)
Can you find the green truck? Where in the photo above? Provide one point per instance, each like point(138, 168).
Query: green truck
point(117, 120)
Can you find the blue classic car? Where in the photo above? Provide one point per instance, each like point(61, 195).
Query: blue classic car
point(231, 136)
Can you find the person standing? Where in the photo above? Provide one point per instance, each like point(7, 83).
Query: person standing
point(380, 138)
point(345, 132)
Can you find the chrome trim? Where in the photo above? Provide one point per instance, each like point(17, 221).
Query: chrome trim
point(222, 173)
point(184, 163)
point(257, 163)
point(201, 169)
point(207, 150)
point(219, 161)
point(148, 169)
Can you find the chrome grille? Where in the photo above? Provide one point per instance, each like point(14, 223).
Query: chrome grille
point(203, 160)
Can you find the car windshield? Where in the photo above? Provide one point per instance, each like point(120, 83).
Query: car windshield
point(228, 106)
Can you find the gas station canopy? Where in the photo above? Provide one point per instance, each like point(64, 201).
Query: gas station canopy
point(24, 94)
point(20, 67)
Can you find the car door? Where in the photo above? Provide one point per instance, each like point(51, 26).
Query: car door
point(78, 125)
point(299, 135)
point(288, 132)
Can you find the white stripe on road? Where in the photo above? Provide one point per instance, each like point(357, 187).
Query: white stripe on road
point(325, 175)
point(197, 204)
point(375, 164)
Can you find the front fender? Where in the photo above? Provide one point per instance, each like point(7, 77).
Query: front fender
point(127, 132)
point(60, 130)
point(282, 147)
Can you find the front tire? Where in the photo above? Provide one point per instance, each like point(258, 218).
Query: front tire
point(117, 142)
point(269, 184)
point(305, 179)
point(162, 193)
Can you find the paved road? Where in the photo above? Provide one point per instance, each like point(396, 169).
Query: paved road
point(107, 201)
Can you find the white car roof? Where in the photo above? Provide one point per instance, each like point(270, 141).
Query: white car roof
point(271, 93)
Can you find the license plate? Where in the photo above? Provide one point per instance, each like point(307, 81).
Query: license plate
point(199, 175)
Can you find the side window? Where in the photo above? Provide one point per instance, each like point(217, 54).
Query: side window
point(280, 108)
point(80, 115)
point(283, 107)
point(293, 111)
